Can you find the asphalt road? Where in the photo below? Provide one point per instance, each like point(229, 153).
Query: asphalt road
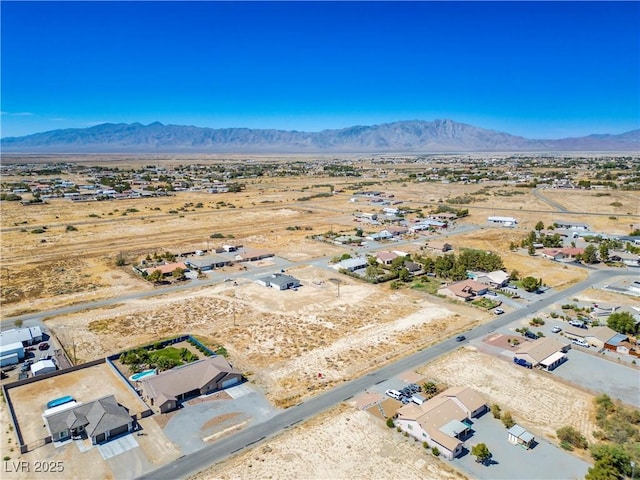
point(219, 450)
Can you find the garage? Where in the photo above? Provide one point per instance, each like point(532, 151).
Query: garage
point(100, 438)
point(231, 382)
point(118, 431)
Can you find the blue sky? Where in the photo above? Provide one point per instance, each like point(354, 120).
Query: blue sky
point(538, 69)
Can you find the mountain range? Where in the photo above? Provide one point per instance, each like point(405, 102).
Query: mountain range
point(405, 136)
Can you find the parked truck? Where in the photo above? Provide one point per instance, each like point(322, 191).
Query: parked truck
point(522, 362)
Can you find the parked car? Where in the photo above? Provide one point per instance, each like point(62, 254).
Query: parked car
point(460, 338)
point(492, 294)
point(531, 335)
point(498, 311)
point(415, 388)
point(396, 395)
point(43, 346)
point(577, 324)
point(556, 329)
point(30, 349)
point(580, 343)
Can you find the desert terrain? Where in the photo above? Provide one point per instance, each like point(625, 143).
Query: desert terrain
point(294, 344)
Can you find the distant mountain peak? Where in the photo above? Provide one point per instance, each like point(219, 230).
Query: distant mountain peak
point(416, 136)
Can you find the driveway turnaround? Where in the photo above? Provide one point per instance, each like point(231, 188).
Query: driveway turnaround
point(510, 462)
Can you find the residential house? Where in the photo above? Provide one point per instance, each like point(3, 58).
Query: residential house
point(495, 279)
point(252, 255)
point(464, 290)
point(352, 264)
point(570, 225)
point(279, 281)
point(165, 391)
point(427, 225)
point(443, 421)
point(206, 262)
point(503, 221)
point(628, 259)
point(167, 269)
point(386, 258)
point(100, 420)
point(596, 336)
point(376, 237)
point(439, 246)
point(568, 253)
point(546, 352)
point(395, 231)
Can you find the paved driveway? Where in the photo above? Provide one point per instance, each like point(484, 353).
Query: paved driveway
point(601, 375)
point(543, 462)
point(189, 429)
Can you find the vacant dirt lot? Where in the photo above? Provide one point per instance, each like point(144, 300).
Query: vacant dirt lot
point(536, 400)
point(83, 385)
point(342, 443)
point(281, 339)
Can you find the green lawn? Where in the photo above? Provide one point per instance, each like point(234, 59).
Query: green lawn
point(485, 303)
point(171, 353)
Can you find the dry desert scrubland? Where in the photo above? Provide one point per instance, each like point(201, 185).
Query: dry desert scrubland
point(283, 340)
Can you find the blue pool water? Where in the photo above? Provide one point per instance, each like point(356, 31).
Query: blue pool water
point(141, 375)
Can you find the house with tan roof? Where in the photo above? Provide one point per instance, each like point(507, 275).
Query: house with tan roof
point(465, 290)
point(495, 279)
point(546, 352)
point(165, 391)
point(443, 421)
point(166, 269)
point(386, 258)
point(596, 336)
point(439, 246)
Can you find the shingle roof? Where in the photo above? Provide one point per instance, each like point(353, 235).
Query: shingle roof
point(100, 416)
point(177, 381)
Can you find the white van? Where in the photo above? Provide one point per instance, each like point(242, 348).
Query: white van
point(396, 395)
point(418, 399)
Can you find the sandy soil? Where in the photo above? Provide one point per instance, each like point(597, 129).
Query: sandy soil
point(282, 340)
point(342, 443)
point(536, 401)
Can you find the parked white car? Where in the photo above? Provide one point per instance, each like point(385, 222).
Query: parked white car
point(556, 329)
point(581, 343)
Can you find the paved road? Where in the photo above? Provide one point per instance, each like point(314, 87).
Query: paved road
point(197, 461)
point(217, 278)
point(537, 193)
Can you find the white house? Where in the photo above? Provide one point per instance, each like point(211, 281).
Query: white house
point(503, 221)
point(279, 281)
point(42, 367)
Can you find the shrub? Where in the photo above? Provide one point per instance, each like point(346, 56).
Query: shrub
point(37, 230)
point(71, 228)
point(572, 436)
point(435, 451)
point(566, 445)
point(507, 420)
point(496, 410)
point(216, 235)
point(390, 422)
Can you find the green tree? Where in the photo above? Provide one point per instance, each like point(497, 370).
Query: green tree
point(390, 422)
point(539, 226)
point(481, 452)
point(496, 410)
point(612, 458)
point(514, 275)
point(178, 273)
point(121, 260)
point(622, 322)
point(531, 250)
point(589, 254)
point(507, 419)
point(430, 389)
point(604, 252)
point(404, 275)
point(155, 276)
point(530, 284)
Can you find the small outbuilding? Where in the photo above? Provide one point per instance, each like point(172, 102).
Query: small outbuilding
point(279, 281)
point(42, 367)
point(519, 436)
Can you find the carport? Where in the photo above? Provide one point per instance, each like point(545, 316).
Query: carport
point(553, 361)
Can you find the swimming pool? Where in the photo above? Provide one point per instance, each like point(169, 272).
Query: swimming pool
point(139, 376)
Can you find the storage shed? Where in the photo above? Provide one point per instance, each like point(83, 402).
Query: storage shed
point(519, 436)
